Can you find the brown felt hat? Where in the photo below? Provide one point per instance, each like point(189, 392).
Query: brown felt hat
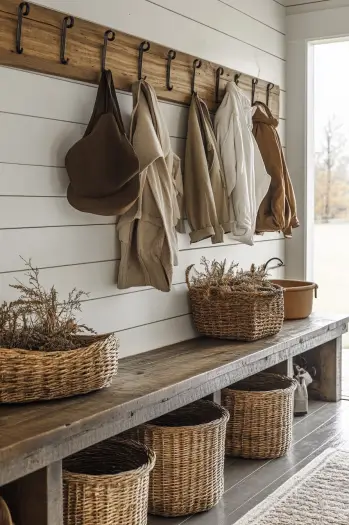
point(103, 167)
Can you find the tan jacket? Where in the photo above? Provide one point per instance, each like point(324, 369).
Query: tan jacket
point(206, 199)
point(147, 232)
point(278, 211)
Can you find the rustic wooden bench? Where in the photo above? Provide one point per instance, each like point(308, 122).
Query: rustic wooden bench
point(35, 438)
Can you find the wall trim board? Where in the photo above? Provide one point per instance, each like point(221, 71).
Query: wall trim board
point(41, 43)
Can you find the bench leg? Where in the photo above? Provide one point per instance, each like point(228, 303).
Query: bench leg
point(216, 397)
point(284, 368)
point(327, 359)
point(37, 499)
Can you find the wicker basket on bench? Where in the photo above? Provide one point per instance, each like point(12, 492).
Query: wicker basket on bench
point(261, 416)
point(228, 311)
point(29, 375)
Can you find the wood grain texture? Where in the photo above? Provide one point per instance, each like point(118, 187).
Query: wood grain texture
point(147, 386)
point(285, 368)
point(37, 498)
point(41, 43)
point(327, 360)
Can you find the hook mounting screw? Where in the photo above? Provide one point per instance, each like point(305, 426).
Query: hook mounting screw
point(109, 36)
point(23, 10)
point(68, 23)
point(171, 55)
point(143, 48)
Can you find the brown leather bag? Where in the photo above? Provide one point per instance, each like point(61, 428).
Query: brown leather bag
point(103, 167)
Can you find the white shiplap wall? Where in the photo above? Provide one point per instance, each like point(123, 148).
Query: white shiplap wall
point(41, 117)
point(306, 6)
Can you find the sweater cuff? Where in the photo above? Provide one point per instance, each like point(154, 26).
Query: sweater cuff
point(295, 222)
point(226, 227)
point(199, 235)
point(218, 235)
point(180, 227)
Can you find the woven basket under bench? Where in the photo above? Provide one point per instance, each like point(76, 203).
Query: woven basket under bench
point(30, 375)
point(189, 472)
point(234, 314)
point(261, 416)
point(107, 484)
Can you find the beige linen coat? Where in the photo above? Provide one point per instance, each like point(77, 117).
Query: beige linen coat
point(278, 210)
point(206, 198)
point(147, 232)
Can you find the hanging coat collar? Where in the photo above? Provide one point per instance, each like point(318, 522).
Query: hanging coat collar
point(146, 121)
point(264, 115)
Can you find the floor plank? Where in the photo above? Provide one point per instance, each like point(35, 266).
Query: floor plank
point(338, 441)
point(247, 482)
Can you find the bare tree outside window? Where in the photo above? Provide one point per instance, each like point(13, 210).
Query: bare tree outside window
point(332, 175)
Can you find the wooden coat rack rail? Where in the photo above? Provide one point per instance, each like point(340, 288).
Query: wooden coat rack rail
point(41, 34)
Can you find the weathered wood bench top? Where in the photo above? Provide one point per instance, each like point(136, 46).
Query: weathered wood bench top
point(147, 385)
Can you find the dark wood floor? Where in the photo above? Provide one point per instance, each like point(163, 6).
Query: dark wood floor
point(248, 482)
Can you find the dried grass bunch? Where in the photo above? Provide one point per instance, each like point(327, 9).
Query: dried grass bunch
point(218, 275)
point(38, 320)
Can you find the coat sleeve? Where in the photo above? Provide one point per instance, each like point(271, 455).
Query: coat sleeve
point(178, 188)
point(199, 200)
point(272, 212)
point(224, 129)
point(291, 221)
point(242, 194)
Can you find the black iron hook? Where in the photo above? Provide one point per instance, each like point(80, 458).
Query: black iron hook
point(237, 78)
point(143, 48)
point(219, 73)
point(171, 55)
point(23, 10)
point(68, 23)
point(254, 83)
point(196, 65)
point(270, 86)
point(109, 36)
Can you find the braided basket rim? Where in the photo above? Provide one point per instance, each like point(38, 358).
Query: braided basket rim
point(206, 292)
point(260, 393)
point(70, 476)
point(46, 354)
point(223, 418)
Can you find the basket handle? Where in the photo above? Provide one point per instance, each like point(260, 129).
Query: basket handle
point(187, 272)
point(316, 289)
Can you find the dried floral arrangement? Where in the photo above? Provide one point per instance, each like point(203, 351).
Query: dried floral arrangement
point(38, 320)
point(227, 278)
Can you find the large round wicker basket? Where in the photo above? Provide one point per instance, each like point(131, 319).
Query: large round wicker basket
point(189, 472)
point(234, 314)
point(108, 484)
point(261, 416)
point(28, 375)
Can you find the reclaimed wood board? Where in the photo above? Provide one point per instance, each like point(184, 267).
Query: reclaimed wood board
point(41, 36)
